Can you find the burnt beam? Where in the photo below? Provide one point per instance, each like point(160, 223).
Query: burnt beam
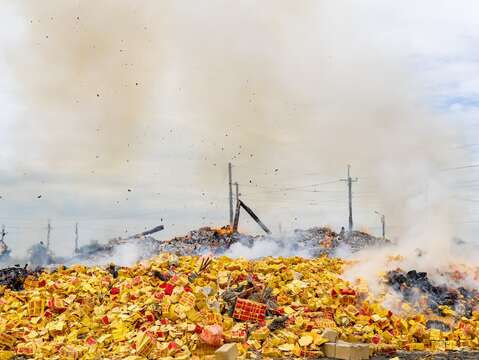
point(255, 218)
point(148, 232)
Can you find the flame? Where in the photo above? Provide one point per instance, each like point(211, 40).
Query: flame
point(224, 231)
point(365, 229)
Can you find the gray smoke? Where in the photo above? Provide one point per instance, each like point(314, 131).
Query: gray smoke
point(298, 87)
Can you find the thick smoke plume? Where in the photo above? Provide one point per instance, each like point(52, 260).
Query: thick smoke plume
point(302, 88)
point(86, 74)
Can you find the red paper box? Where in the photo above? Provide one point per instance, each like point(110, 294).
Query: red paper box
point(247, 310)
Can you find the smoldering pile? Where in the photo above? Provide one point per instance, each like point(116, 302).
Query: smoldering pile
point(14, 277)
point(97, 253)
point(320, 240)
point(313, 242)
point(323, 240)
point(417, 289)
point(358, 240)
point(127, 251)
point(205, 240)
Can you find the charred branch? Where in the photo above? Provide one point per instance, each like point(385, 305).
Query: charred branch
point(148, 232)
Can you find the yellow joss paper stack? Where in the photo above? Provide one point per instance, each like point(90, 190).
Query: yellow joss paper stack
point(290, 307)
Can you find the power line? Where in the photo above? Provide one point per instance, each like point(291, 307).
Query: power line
point(461, 167)
point(286, 190)
point(312, 185)
point(466, 146)
point(76, 238)
point(464, 199)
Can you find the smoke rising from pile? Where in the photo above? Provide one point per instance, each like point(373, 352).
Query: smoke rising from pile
point(309, 91)
point(316, 93)
point(300, 88)
point(284, 245)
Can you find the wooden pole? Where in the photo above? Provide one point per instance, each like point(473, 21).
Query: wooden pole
point(76, 238)
point(49, 230)
point(230, 185)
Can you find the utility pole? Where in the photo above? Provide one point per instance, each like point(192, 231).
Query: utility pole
point(234, 225)
point(383, 223)
point(49, 229)
point(237, 191)
point(76, 237)
point(230, 184)
point(350, 181)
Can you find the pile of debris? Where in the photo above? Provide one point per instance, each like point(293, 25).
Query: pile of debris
point(317, 240)
point(357, 240)
point(191, 307)
point(143, 246)
point(96, 253)
point(14, 277)
point(142, 238)
point(417, 289)
point(205, 240)
point(323, 240)
point(314, 242)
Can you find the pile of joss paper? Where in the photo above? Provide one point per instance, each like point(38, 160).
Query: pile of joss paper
point(187, 307)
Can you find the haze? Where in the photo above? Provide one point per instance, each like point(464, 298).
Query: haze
point(123, 115)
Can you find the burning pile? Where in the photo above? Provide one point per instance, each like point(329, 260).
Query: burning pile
point(186, 307)
point(318, 240)
point(205, 240)
point(315, 242)
point(416, 288)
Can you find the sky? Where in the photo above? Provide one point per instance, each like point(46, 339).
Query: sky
point(124, 115)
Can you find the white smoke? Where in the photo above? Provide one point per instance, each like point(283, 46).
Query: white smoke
point(294, 87)
point(126, 254)
point(279, 246)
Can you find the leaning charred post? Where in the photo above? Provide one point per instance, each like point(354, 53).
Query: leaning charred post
point(255, 218)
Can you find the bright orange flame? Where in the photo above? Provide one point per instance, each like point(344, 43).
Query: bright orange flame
point(224, 231)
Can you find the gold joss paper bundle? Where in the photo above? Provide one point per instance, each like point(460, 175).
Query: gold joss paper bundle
point(278, 307)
